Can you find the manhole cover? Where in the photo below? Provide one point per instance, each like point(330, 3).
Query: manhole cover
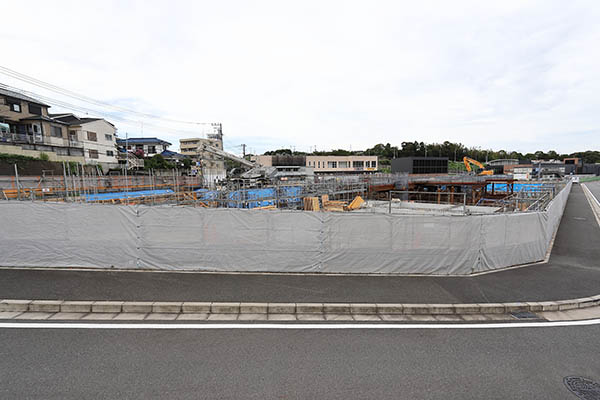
point(582, 387)
point(523, 314)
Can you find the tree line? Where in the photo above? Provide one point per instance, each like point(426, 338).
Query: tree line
point(454, 151)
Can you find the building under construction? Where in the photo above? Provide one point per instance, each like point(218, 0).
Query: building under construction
point(277, 187)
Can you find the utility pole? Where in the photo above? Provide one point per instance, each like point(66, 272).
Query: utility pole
point(243, 150)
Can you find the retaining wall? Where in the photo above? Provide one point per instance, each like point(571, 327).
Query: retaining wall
point(186, 238)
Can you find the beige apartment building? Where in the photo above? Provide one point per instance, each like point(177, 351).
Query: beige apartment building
point(342, 163)
point(210, 165)
point(325, 164)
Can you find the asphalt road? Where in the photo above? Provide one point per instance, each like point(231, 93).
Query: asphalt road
point(594, 188)
point(520, 363)
point(573, 271)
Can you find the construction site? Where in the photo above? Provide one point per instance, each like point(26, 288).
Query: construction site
point(279, 219)
point(287, 186)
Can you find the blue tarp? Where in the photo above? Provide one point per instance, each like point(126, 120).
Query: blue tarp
point(292, 193)
point(125, 195)
point(518, 187)
point(252, 198)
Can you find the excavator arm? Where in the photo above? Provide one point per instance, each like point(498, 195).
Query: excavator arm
point(468, 161)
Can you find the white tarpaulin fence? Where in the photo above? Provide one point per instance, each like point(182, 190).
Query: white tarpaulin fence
point(185, 238)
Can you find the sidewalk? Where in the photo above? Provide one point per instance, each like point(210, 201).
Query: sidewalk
point(573, 271)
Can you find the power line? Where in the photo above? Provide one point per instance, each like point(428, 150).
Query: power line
point(86, 110)
point(48, 86)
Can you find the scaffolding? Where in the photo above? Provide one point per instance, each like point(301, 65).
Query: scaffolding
point(460, 193)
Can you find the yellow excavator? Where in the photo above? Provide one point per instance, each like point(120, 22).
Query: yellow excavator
point(468, 161)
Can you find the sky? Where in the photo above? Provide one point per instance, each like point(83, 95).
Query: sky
point(512, 75)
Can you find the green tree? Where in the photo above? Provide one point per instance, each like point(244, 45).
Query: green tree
point(157, 162)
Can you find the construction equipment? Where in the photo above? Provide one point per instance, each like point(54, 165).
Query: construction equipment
point(219, 152)
point(468, 161)
point(337, 205)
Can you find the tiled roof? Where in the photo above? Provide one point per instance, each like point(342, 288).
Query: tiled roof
point(17, 95)
point(151, 140)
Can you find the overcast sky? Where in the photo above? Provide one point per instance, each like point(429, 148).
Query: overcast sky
point(511, 75)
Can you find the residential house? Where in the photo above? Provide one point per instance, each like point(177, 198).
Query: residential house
point(29, 130)
point(97, 135)
point(174, 157)
point(149, 146)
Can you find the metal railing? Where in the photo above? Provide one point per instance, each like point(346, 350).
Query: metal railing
point(36, 138)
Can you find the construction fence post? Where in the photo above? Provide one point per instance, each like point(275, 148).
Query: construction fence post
point(17, 182)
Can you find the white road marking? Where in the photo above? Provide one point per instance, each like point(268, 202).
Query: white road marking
point(591, 200)
point(77, 325)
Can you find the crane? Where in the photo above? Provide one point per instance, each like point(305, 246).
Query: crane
point(468, 161)
point(219, 152)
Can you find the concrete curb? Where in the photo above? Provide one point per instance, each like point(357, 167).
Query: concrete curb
point(54, 306)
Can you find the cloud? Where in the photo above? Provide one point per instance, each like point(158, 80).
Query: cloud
point(514, 75)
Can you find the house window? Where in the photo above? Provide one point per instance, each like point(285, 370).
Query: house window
point(357, 164)
point(331, 164)
point(343, 164)
point(108, 137)
point(319, 164)
point(13, 105)
point(56, 131)
point(110, 153)
point(33, 109)
point(91, 136)
point(93, 153)
point(35, 129)
point(151, 149)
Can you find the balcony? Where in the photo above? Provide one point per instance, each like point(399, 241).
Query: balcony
point(23, 138)
point(20, 138)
